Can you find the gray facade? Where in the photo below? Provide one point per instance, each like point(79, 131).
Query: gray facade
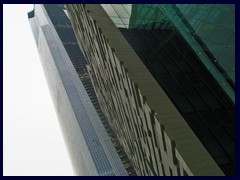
point(88, 143)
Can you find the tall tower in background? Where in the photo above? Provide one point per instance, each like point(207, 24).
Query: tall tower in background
point(164, 78)
point(93, 147)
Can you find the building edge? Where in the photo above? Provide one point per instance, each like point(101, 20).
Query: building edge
point(53, 55)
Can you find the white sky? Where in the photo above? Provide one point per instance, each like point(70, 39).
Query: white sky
point(32, 140)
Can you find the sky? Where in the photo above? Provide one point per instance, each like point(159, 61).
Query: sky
point(33, 144)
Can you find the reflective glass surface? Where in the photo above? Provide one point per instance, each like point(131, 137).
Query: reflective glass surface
point(208, 29)
point(185, 52)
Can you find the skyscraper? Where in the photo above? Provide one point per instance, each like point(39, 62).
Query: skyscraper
point(91, 144)
point(164, 78)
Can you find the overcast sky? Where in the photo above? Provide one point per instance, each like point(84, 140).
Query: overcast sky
point(32, 140)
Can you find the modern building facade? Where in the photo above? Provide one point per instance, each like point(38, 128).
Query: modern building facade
point(164, 79)
point(92, 146)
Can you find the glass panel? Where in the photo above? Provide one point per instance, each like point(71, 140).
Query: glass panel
point(120, 11)
point(109, 9)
